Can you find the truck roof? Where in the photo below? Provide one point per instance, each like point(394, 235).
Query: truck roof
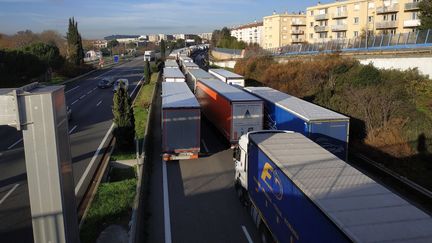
point(200, 74)
point(171, 63)
point(365, 210)
point(178, 95)
point(226, 73)
point(228, 91)
point(172, 73)
point(306, 110)
point(190, 64)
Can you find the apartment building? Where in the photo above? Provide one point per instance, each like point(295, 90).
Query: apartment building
point(352, 18)
point(283, 29)
point(249, 33)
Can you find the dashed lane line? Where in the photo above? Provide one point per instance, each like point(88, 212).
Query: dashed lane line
point(73, 129)
point(72, 89)
point(14, 144)
point(100, 102)
point(247, 234)
point(9, 193)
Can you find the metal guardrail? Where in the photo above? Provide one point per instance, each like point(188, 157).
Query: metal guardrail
point(410, 40)
point(229, 51)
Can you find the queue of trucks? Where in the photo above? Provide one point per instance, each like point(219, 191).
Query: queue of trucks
point(289, 162)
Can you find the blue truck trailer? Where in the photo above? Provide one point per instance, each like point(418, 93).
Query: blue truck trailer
point(299, 192)
point(285, 112)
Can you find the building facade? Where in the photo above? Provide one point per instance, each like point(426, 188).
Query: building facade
point(283, 29)
point(206, 36)
point(354, 18)
point(250, 33)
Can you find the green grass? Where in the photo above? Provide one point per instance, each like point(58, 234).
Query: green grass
point(142, 106)
point(57, 78)
point(123, 155)
point(112, 204)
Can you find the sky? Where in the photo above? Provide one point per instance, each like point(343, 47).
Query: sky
point(99, 18)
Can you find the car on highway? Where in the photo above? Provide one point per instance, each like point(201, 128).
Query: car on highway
point(106, 82)
point(117, 84)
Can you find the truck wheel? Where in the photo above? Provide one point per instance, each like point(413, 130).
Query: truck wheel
point(265, 235)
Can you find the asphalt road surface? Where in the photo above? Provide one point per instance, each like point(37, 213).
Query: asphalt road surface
point(88, 129)
point(195, 200)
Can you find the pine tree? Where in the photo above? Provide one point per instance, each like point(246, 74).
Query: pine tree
point(75, 51)
point(147, 72)
point(123, 119)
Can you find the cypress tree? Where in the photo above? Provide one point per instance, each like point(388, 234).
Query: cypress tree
point(124, 121)
point(147, 72)
point(75, 51)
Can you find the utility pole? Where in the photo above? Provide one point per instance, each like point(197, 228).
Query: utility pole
point(40, 113)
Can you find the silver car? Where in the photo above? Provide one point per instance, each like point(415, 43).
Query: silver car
point(117, 84)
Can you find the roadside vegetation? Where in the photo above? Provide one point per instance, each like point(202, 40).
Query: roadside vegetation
point(390, 110)
point(112, 204)
point(27, 57)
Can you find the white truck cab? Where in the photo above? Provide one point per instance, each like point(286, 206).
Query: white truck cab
point(241, 161)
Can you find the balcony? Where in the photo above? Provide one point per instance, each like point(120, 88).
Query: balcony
point(388, 9)
point(412, 6)
point(321, 17)
point(386, 25)
point(297, 32)
point(341, 27)
point(299, 40)
point(340, 15)
point(411, 23)
point(321, 28)
point(298, 23)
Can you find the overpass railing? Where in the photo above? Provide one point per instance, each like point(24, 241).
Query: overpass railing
point(410, 40)
point(229, 51)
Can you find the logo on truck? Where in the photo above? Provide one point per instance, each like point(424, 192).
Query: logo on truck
point(272, 179)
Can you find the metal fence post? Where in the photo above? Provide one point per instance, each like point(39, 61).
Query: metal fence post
point(427, 36)
point(406, 41)
point(390, 38)
point(397, 43)
point(417, 35)
point(382, 39)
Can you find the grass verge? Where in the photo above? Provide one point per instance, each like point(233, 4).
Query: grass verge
point(111, 205)
point(141, 109)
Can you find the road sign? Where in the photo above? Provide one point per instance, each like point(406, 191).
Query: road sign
point(116, 58)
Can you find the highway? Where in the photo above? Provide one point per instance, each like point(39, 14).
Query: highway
point(195, 200)
point(89, 131)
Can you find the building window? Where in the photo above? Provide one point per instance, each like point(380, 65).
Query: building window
point(370, 19)
point(356, 6)
point(393, 17)
point(356, 20)
point(311, 24)
point(356, 33)
point(311, 36)
point(323, 35)
point(371, 5)
point(311, 13)
point(414, 15)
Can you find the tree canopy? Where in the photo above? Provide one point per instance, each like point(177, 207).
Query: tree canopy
point(425, 14)
point(223, 39)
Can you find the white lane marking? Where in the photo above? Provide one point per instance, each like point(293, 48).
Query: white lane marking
point(247, 234)
point(94, 89)
point(100, 102)
point(8, 194)
point(90, 92)
point(90, 165)
point(167, 221)
point(82, 97)
point(74, 102)
point(17, 142)
point(73, 129)
point(205, 145)
point(105, 73)
point(138, 84)
point(72, 89)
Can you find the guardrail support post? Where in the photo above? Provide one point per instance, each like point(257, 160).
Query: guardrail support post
point(427, 36)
